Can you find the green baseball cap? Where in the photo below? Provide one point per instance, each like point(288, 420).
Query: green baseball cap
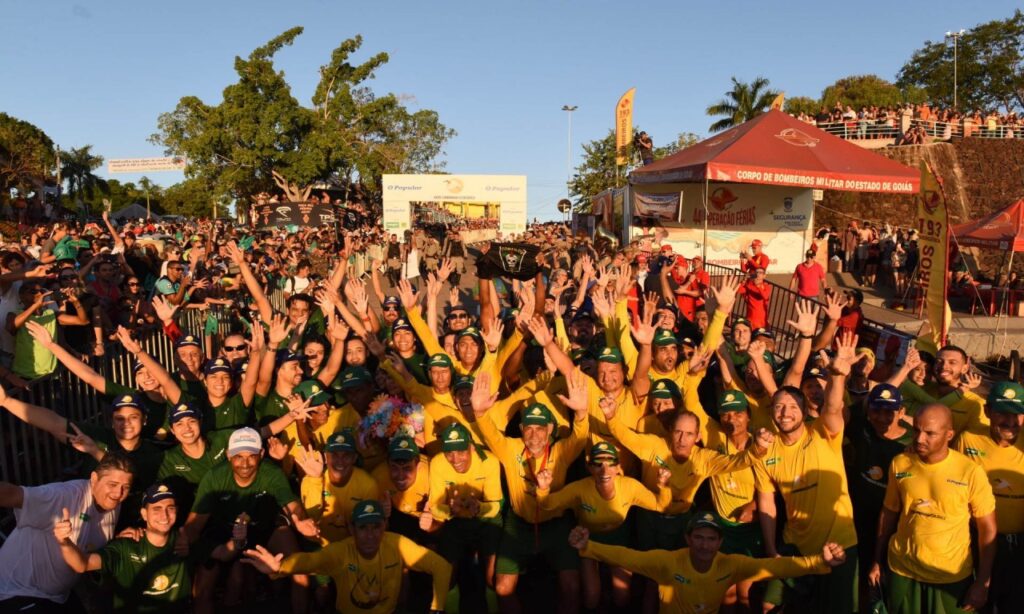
point(65, 251)
point(578, 354)
point(367, 512)
point(612, 355)
point(603, 450)
point(463, 381)
point(455, 438)
point(704, 520)
point(737, 321)
point(312, 391)
point(665, 389)
point(732, 400)
point(470, 331)
point(537, 414)
point(1006, 397)
point(403, 447)
point(440, 360)
point(665, 337)
point(353, 377)
point(342, 441)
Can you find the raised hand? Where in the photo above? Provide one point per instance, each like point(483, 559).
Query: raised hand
point(307, 527)
point(280, 328)
point(913, 359)
point(724, 296)
point(608, 406)
point(297, 407)
point(540, 331)
point(276, 448)
point(125, 337)
point(644, 331)
point(445, 270)
point(164, 309)
point(82, 442)
point(453, 295)
point(544, 479)
point(846, 353)
point(405, 293)
point(433, 285)
point(700, 359)
point(970, 381)
point(482, 399)
point(579, 395)
point(806, 322)
point(310, 460)
point(263, 560)
point(664, 475)
point(756, 349)
point(834, 306)
point(355, 290)
point(62, 528)
point(492, 336)
point(373, 344)
point(764, 438)
point(426, 521)
point(578, 537)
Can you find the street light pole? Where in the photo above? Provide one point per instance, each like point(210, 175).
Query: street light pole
point(568, 157)
point(956, 36)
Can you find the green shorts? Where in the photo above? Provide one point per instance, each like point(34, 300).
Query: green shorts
point(521, 541)
point(461, 536)
point(904, 595)
point(656, 531)
point(835, 592)
point(742, 538)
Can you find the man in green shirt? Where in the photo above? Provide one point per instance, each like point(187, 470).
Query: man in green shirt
point(244, 491)
point(221, 410)
point(185, 464)
point(287, 375)
point(188, 357)
point(150, 574)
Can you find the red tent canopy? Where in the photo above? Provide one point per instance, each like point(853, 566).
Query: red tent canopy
point(1003, 229)
point(777, 149)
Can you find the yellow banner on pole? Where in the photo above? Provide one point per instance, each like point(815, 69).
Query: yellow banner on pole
point(933, 246)
point(624, 127)
point(779, 100)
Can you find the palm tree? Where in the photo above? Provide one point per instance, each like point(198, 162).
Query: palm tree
point(77, 166)
point(744, 102)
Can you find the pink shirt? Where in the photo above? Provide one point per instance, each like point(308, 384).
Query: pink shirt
point(809, 279)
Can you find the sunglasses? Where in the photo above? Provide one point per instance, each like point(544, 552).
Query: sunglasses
point(390, 309)
point(597, 464)
point(133, 284)
point(235, 348)
point(176, 268)
point(458, 316)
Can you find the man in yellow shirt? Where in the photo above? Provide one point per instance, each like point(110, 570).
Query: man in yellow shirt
point(694, 580)
point(805, 465)
point(329, 496)
point(932, 495)
point(530, 531)
point(465, 499)
point(952, 367)
point(404, 485)
point(367, 567)
point(1000, 452)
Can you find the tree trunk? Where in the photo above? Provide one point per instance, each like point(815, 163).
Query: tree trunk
point(292, 192)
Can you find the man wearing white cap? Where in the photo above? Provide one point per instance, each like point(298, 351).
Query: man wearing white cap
point(244, 491)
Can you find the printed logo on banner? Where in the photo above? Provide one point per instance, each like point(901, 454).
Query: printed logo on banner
point(454, 185)
point(511, 258)
point(722, 199)
point(797, 138)
point(931, 200)
point(787, 204)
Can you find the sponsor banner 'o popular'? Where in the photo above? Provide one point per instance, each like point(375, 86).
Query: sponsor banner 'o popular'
point(508, 191)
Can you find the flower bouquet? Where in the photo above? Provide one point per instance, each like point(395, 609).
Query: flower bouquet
point(389, 417)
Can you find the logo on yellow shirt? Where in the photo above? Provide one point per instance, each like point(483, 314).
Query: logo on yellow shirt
point(1000, 484)
point(161, 582)
point(682, 579)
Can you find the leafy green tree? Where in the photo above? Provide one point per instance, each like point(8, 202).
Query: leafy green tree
point(259, 136)
point(989, 67)
point(77, 166)
point(861, 91)
point(27, 156)
point(801, 104)
point(743, 102)
point(598, 171)
point(192, 198)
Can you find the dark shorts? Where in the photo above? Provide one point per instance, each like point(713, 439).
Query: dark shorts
point(904, 595)
point(464, 536)
point(522, 541)
point(835, 592)
point(621, 535)
point(656, 531)
point(743, 538)
point(1007, 592)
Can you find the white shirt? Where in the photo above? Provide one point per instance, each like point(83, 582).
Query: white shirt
point(296, 285)
point(31, 564)
point(9, 303)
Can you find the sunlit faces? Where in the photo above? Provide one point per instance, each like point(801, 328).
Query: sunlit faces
point(666, 357)
point(190, 357)
point(290, 372)
point(314, 352)
point(660, 406)
point(460, 460)
point(536, 437)
point(145, 381)
point(218, 384)
point(186, 430)
point(666, 318)
point(403, 472)
point(368, 538)
point(685, 432)
point(787, 411)
point(610, 377)
point(340, 465)
point(127, 423)
point(110, 488)
point(440, 378)
point(950, 366)
point(355, 353)
point(235, 347)
point(404, 341)
point(467, 349)
point(741, 336)
point(603, 470)
point(298, 311)
point(734, 421)
point(933, 430)
point(160, 516)
point(244, 465)
point(1005, 427)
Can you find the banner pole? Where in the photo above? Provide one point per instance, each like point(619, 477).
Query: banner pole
point(704, 242)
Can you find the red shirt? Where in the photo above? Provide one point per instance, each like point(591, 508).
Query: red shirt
point(850, 320)
point(756, 261)
point(757, 302)
point(808, 279)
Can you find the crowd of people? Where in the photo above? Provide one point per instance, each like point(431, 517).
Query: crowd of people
point(913, 124)
point(426, 421)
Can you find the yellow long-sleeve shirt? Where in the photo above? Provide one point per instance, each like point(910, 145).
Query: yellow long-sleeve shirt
point(481, 481)
point(521, 467)
point(630, 353)
point(598, 514)
point(684, 590)
point(430, 344)
point(372, 586)
point(1005, 470)
point(332, 505)
point(687, 476)
point(729, 491)
point(412, 500)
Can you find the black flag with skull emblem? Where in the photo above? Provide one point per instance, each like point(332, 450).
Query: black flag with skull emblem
point(515, 260)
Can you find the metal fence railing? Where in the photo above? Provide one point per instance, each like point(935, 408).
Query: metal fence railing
point(873, 129)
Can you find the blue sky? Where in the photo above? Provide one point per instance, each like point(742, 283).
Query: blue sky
point(100, 73)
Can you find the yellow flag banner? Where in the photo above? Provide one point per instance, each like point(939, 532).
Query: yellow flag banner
point(779, 100)
point(933, 244)
point(624, 127)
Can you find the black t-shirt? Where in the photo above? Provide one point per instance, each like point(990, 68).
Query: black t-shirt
point(80, 337)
